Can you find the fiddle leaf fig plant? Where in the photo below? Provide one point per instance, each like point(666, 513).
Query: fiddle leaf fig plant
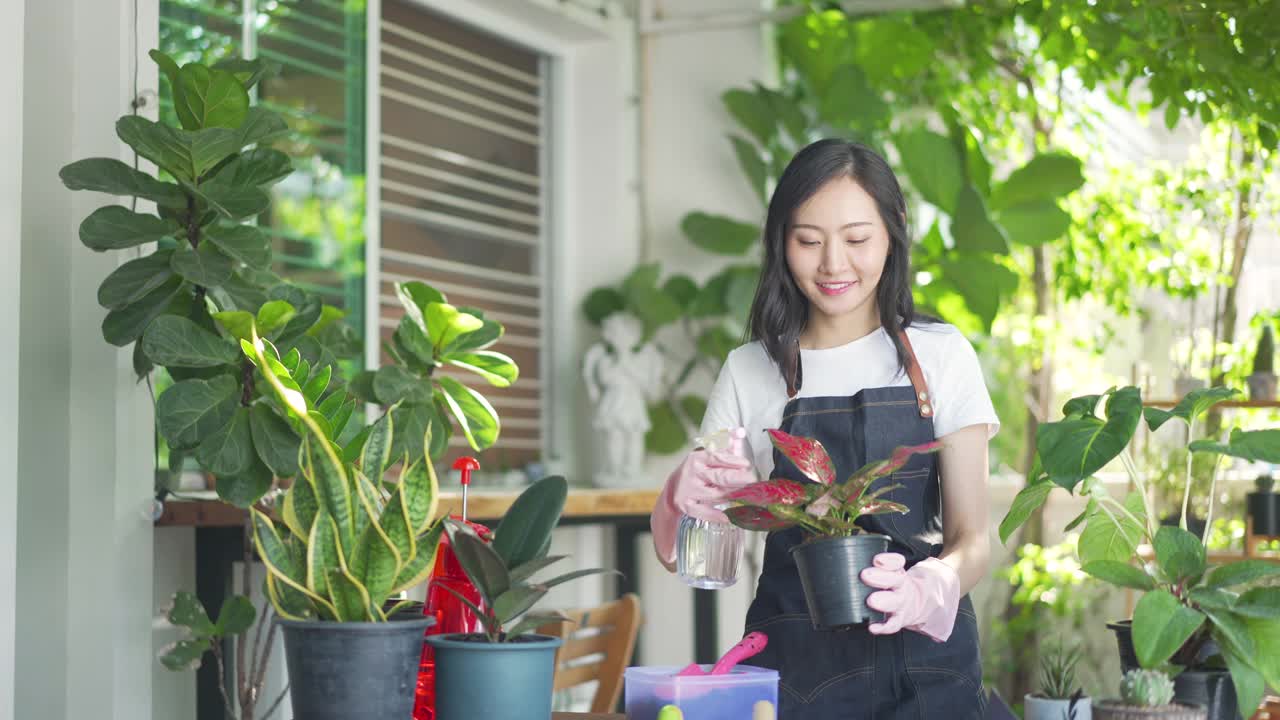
point(431, 335)
point(824, 507)
point(502, 569)
point(1185, 600)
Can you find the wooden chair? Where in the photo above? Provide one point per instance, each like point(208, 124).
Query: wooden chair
point(1270, 709)
point(597, 646)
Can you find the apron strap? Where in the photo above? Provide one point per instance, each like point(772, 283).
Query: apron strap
point(923, 400)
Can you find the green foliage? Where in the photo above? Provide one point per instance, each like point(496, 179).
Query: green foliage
point(201, 634)
point(1184, 602)
point(1265, 357)
point(1146, 688)
point(1058, 672)
point(501, 571)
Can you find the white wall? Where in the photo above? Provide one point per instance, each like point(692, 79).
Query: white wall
point(85, 480)
point(10, 299)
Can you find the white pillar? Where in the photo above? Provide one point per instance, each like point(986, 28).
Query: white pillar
point(10, 262)
point(84, 534)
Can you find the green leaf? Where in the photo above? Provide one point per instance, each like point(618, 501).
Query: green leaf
point(134, 279)
point(1179, 554)
point(475, 416)
point(238, 323)
point(1251, 445)
point(753, 112)
point(204, 98)
point(527, 525)
point(184, 655)
point(329, 479)
point(1266, 634)
point(419, 494)
point(1024, 503)
point(533, 621)
point(376, 561)
point(244, 243)
point(308, 308)
point(498, 369)
point(481, 562)
point(973, 228)
point(1212, 598)
point(694, 408)
point(377, 448)
point(168, 67)
point(1120, 574)
point(445, 323)
point(1034, 223)
point(1105, 539)
point(318, 383)
point(229, 449)
point(562, 579)
point(933, 166)
point(114, 227)
point(260, 126)
point(525, 571)
point(1076, 448)
point(108, 175)
point(419, 568)
point(681, 288)
point(175, 341)
point(237, 293)
point(191, 410)
point(206, 266)
point(1047, 176)
point(718, 234)
point(125, 325)
point(411, 339)
point(1260, 602)
point(236, 616)
point(259, 167)
point(1249, 684)
point(488, 334)
point(247, 71)
point(185, 155)
point(1230, 631)
point(1241, 572)
point(666, 431)
point(233, 202)
point(984, 284)
point(246, 488)
point(517, 601)
point(274, 315)
point(1160, 626)
point(276, 442)
point(601, 303)
point(1191, 407)
point(415, 296)
point(187, 611)
point(850, 103)
point(393, 384)
point(715, 342)
point(753, 166)
point(350, 597)
point(654, 308)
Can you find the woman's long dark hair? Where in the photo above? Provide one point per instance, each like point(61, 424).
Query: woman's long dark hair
point(780, 310)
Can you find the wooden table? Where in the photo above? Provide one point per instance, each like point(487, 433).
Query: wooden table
point(219, 544)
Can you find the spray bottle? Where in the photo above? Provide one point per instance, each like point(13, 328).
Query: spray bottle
point(708, 553)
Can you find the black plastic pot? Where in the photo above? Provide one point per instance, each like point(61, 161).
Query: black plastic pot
point(480, 679)
point(829, 572)
point(354, 671)
point(1212, 689)
point(1264, 508)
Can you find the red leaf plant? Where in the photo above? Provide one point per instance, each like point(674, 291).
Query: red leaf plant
point(823, 507)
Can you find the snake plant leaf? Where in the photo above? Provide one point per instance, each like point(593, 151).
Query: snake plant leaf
point(528, 523)
point(300, 508)
point(281, 564)
point(377, 449)
point(175, 341)
point(322, 554)
point(329, 480)
point(419, 493)
point(376, 562)
point(350, 597)
point(419, 568)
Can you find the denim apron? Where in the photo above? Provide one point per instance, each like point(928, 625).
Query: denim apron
point(850, 674)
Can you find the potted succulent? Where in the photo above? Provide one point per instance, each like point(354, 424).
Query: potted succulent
point(507, 671)
point(1060, 697)
point(201, 285)
point(1147, 695)
point(1262, 383)
point(1209, 623)
point(836, 549)
point(1264, 506)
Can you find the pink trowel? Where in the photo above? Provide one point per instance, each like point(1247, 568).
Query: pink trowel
point(748, 646)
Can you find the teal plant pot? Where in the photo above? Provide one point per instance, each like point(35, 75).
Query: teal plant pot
point(479, 679)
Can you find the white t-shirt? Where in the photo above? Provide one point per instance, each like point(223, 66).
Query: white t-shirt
point(751, 393)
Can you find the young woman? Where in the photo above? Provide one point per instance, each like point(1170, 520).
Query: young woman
point(838, 353)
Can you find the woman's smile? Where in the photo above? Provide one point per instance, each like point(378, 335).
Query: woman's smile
point(836, 288)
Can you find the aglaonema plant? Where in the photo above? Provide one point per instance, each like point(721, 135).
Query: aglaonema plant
point(503, 568)
point(823, 507)
point(1185, 602)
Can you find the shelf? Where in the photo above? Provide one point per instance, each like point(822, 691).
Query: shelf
point(1255, 404)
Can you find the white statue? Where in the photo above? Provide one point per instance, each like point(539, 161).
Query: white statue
point(622, 378)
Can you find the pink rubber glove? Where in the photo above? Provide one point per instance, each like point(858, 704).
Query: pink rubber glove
point(696, 486)
point(923, 599)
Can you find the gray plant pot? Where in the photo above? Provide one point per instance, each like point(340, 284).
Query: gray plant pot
point(353, 671)
point(1117, 710)
point(479, 679)
point(1038, 708)
point(1262, 386)
point(1264, 508)
point(830, 571)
